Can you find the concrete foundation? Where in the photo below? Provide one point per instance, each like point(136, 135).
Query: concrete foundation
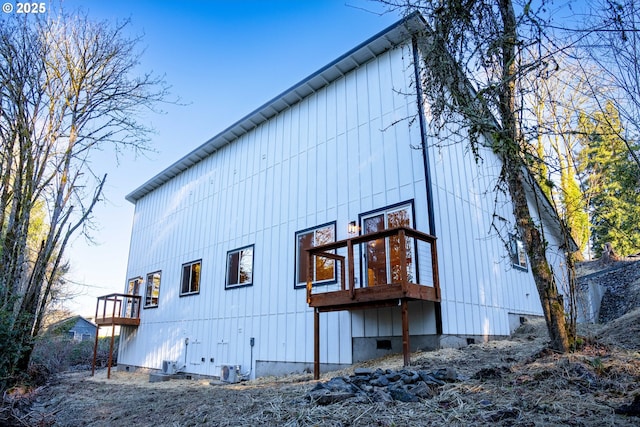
point(375, 347)
point(516, 320)
point(271, 368)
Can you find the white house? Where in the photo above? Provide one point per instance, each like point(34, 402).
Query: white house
point(218, 241)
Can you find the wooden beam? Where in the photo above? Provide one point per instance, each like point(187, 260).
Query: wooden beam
point(361, 306)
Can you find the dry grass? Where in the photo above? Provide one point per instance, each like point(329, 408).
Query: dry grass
point(506, 383)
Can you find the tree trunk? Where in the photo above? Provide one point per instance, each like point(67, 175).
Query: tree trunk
point(551, 300)
point(511, 152)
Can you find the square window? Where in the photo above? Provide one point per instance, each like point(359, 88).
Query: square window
point(190, 278)
point(323, 268)
point(239, 267)
point(152, 290)
point(517, 253)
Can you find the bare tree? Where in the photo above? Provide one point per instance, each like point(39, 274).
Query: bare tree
point(477, 56)
point(68, 88)
point(613, 45)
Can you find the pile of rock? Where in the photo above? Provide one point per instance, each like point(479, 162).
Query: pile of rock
point(367, 385)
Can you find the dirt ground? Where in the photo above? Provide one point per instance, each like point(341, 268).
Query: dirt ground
point(514, 382)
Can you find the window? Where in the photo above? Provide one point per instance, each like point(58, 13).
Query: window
point(517, 253)
point(240, 267)
point(133, 288)
point(383, 256)
point(152, 292)
point(191, 278)
point(323, 268)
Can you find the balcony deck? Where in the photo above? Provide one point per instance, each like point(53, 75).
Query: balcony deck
point(412, 255)
point(115, 310)
point(118, 310)
point(381, 269)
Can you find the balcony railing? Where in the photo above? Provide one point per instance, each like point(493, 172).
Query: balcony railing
point(380, 269)
point(115, 310)
point(373, 270)
point(118, 309)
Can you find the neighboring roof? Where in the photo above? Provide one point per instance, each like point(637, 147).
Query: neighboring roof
point(376, 45)
point(67, 324)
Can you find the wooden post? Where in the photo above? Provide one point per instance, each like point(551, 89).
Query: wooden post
point(113, 331)
point(351, 261)
point(95, 351)
point(95, 344)
point(316, 344)
point(405, 331)
point(402, 243)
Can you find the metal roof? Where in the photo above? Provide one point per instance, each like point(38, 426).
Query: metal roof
point(373, 47)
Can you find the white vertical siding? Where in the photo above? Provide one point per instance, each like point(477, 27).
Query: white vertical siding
point(330, 157)
point(480, 292)
point(349, 148)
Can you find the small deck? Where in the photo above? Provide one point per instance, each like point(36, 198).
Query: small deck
point(115, 310)
point(375, 270)
point(118, 310)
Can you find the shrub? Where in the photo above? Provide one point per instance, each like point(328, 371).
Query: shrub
point(59, 354)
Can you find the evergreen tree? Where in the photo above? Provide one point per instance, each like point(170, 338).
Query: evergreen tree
point(573, 203)
point(611, 179)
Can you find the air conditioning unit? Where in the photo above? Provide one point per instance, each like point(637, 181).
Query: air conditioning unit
point(169, 367)
point(230, 373)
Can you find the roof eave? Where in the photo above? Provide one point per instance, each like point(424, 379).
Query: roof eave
point(361, 54)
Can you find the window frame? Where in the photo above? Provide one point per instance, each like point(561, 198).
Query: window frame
point(190, 264)
point(296, 273)
point(518, 253)
point(149, 296)
point(385, 211)
point(239, 251)
point(132, 289)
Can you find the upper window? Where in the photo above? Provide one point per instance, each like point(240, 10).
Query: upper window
point(152, 292)
point(323, 268)
point(517, 253)
point(383, 257)
point(132, 307)
point(191, 278)
point(133, 286)
point(240, 267)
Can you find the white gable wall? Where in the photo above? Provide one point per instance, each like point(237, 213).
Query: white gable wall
point(347, 149)
point(328, 158)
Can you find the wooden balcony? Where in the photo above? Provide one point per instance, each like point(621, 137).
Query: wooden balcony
point(115, 310)
point(374, 270)
point(381, 269)
point(118, 310)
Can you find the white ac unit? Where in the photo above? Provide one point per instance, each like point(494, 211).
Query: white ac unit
point(169, 367)
point(230, 373)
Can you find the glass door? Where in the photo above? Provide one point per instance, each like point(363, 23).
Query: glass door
point(133, 288)
point(383, 256)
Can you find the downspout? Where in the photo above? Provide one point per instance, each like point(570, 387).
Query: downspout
point(423, 136)
point(425, 160)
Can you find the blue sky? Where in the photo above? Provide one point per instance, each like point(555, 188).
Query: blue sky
point(223, 59)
